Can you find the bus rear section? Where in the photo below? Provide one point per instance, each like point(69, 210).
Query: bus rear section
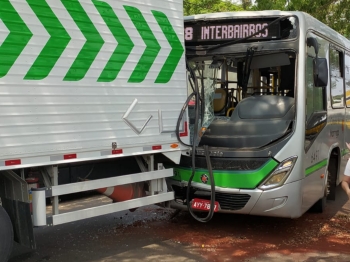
point(261, 125)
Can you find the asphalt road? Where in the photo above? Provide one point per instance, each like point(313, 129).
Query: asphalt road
point(150, 234)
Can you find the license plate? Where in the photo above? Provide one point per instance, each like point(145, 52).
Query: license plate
point(203, 204)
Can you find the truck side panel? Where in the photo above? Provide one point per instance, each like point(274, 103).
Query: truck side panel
point(77, 76)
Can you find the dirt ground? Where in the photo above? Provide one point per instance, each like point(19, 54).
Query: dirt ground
point(150, 234)
point(236, 238)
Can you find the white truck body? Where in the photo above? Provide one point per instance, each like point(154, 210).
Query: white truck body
point(60, 99)
point(87, 85)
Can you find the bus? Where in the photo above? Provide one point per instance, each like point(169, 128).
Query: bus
point(269, 114)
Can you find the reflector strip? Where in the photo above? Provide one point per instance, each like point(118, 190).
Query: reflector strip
point(150, 148)
point(56, 158)
point(12, 162)
point(69, 156)
point(112, 152)
point(6, 164)
point(185, 133)
point(117, 151)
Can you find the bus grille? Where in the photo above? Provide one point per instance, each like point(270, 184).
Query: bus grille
point(227, 201)
point(232, 201)
point(219, 163)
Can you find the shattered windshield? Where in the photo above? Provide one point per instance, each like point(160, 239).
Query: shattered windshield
point(224, 81)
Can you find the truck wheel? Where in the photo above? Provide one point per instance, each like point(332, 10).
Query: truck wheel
point(6, 233)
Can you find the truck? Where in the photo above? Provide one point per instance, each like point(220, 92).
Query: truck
point(90, 94)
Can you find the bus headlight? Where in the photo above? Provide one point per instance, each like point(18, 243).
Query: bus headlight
point(279, 175)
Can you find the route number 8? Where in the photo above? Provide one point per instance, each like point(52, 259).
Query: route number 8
point(188, 33)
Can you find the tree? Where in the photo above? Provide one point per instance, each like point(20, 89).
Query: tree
point(192, 7)
point(334, 13)
point(268, 5)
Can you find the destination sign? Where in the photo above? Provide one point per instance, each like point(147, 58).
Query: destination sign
point(218, 32)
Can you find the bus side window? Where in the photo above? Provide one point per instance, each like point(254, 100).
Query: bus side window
point(315, 105)
point(347, 79)
point(336, 81)
point(315, 96)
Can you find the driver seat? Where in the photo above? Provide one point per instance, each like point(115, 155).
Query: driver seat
point(220, 100)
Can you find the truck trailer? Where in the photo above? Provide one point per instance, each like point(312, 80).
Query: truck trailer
point(90, 94)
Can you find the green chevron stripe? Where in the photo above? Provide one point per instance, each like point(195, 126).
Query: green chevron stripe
point(17, 39)
point(152, 45)
point(125, 44)
point(177, 49)
point(54, 48)
point(20, 35)
point(92, 46)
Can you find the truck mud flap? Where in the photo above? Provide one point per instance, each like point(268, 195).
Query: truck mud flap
point(19, 213)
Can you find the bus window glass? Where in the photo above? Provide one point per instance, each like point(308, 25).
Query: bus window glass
point(315, 100)
point(337, 88)
point(315, 96)
point(347, 79)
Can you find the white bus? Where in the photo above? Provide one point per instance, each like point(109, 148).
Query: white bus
point(273, 113)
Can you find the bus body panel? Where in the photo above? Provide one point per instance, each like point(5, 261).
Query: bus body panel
point(320, 154)
point(279, 202)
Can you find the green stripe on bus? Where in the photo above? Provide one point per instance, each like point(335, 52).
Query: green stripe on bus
point(229, 179)
point(315, 167)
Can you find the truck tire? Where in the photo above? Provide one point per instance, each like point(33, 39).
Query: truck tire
point(6, 233)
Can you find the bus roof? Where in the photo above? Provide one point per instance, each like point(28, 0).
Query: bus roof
point(307, 21)
point(223, 15)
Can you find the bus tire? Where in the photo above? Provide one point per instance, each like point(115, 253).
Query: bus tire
point(6, 233)
point(330, 186)
point(320, 205)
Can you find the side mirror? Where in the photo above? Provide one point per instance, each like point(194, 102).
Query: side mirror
point(320, 72)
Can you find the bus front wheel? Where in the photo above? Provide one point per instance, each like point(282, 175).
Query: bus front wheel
point(320, 205)
point(329, 190)
point(332, 177)
point(6, 233)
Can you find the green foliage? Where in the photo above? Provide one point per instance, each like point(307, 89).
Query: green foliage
point(268, 5)
point(334, 13)
point(192, 7)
